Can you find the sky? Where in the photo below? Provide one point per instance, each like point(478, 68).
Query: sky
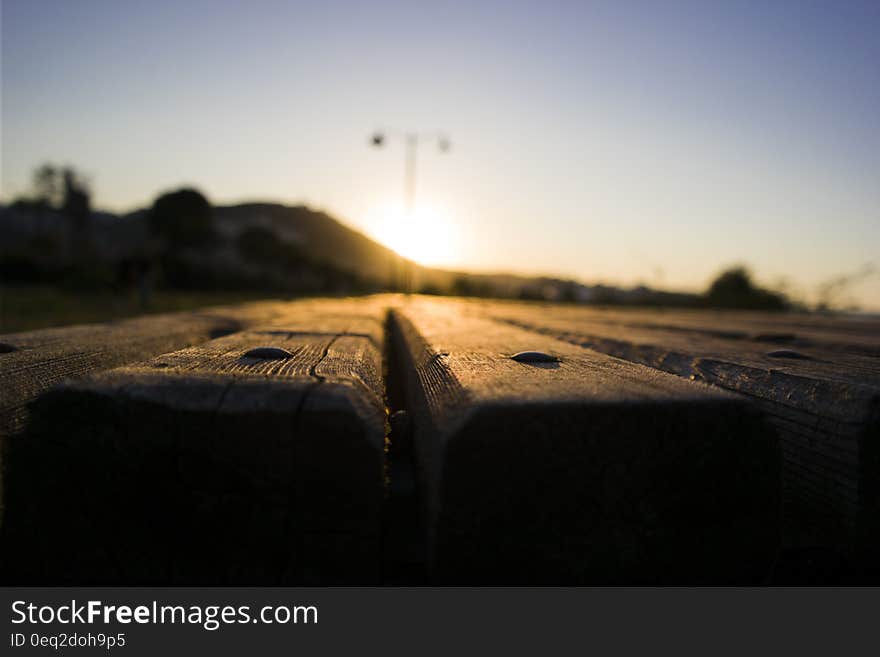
point(618, 142)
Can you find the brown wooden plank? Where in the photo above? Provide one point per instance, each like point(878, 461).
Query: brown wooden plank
point(34, 361)
point(841, 333)
point(591, 469)
point(210, 466)
point(824, 405)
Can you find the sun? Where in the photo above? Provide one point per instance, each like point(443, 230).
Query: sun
point(426, 235)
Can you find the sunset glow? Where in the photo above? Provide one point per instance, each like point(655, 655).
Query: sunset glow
point(427, 235)
point(629, 144)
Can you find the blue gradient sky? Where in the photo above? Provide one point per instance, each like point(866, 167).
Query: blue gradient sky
point(624, 142)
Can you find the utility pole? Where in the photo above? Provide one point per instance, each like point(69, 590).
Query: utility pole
point(411, 141)
point(409, 176)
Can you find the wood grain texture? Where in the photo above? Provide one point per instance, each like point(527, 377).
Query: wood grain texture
point(626, 461)
point(824, 404)
point(36, 360)
point(32, 362)
point(588, 470)
point(206, 466)
point(846, 334)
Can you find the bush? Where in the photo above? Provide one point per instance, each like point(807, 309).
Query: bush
point(183, 219)
point(734, 289)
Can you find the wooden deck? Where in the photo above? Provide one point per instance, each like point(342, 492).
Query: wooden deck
point(397, 440)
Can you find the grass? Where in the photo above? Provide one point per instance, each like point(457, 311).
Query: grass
point(26, 307)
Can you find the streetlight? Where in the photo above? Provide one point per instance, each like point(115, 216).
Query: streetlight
point(411, 141)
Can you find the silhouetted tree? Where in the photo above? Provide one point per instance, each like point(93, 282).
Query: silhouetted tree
point(734, 288)
point(77, 198)
point(182, 219)
point(832, 291)
point(58, 188)
point(47, 186)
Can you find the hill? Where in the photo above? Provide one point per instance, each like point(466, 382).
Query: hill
point(321, 236)
point(257, 246)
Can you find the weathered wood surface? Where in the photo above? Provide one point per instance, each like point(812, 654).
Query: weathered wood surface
point(852, 334)
point(591, 469)
point(33, 361)
point(818, 380)
point(207, 465)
